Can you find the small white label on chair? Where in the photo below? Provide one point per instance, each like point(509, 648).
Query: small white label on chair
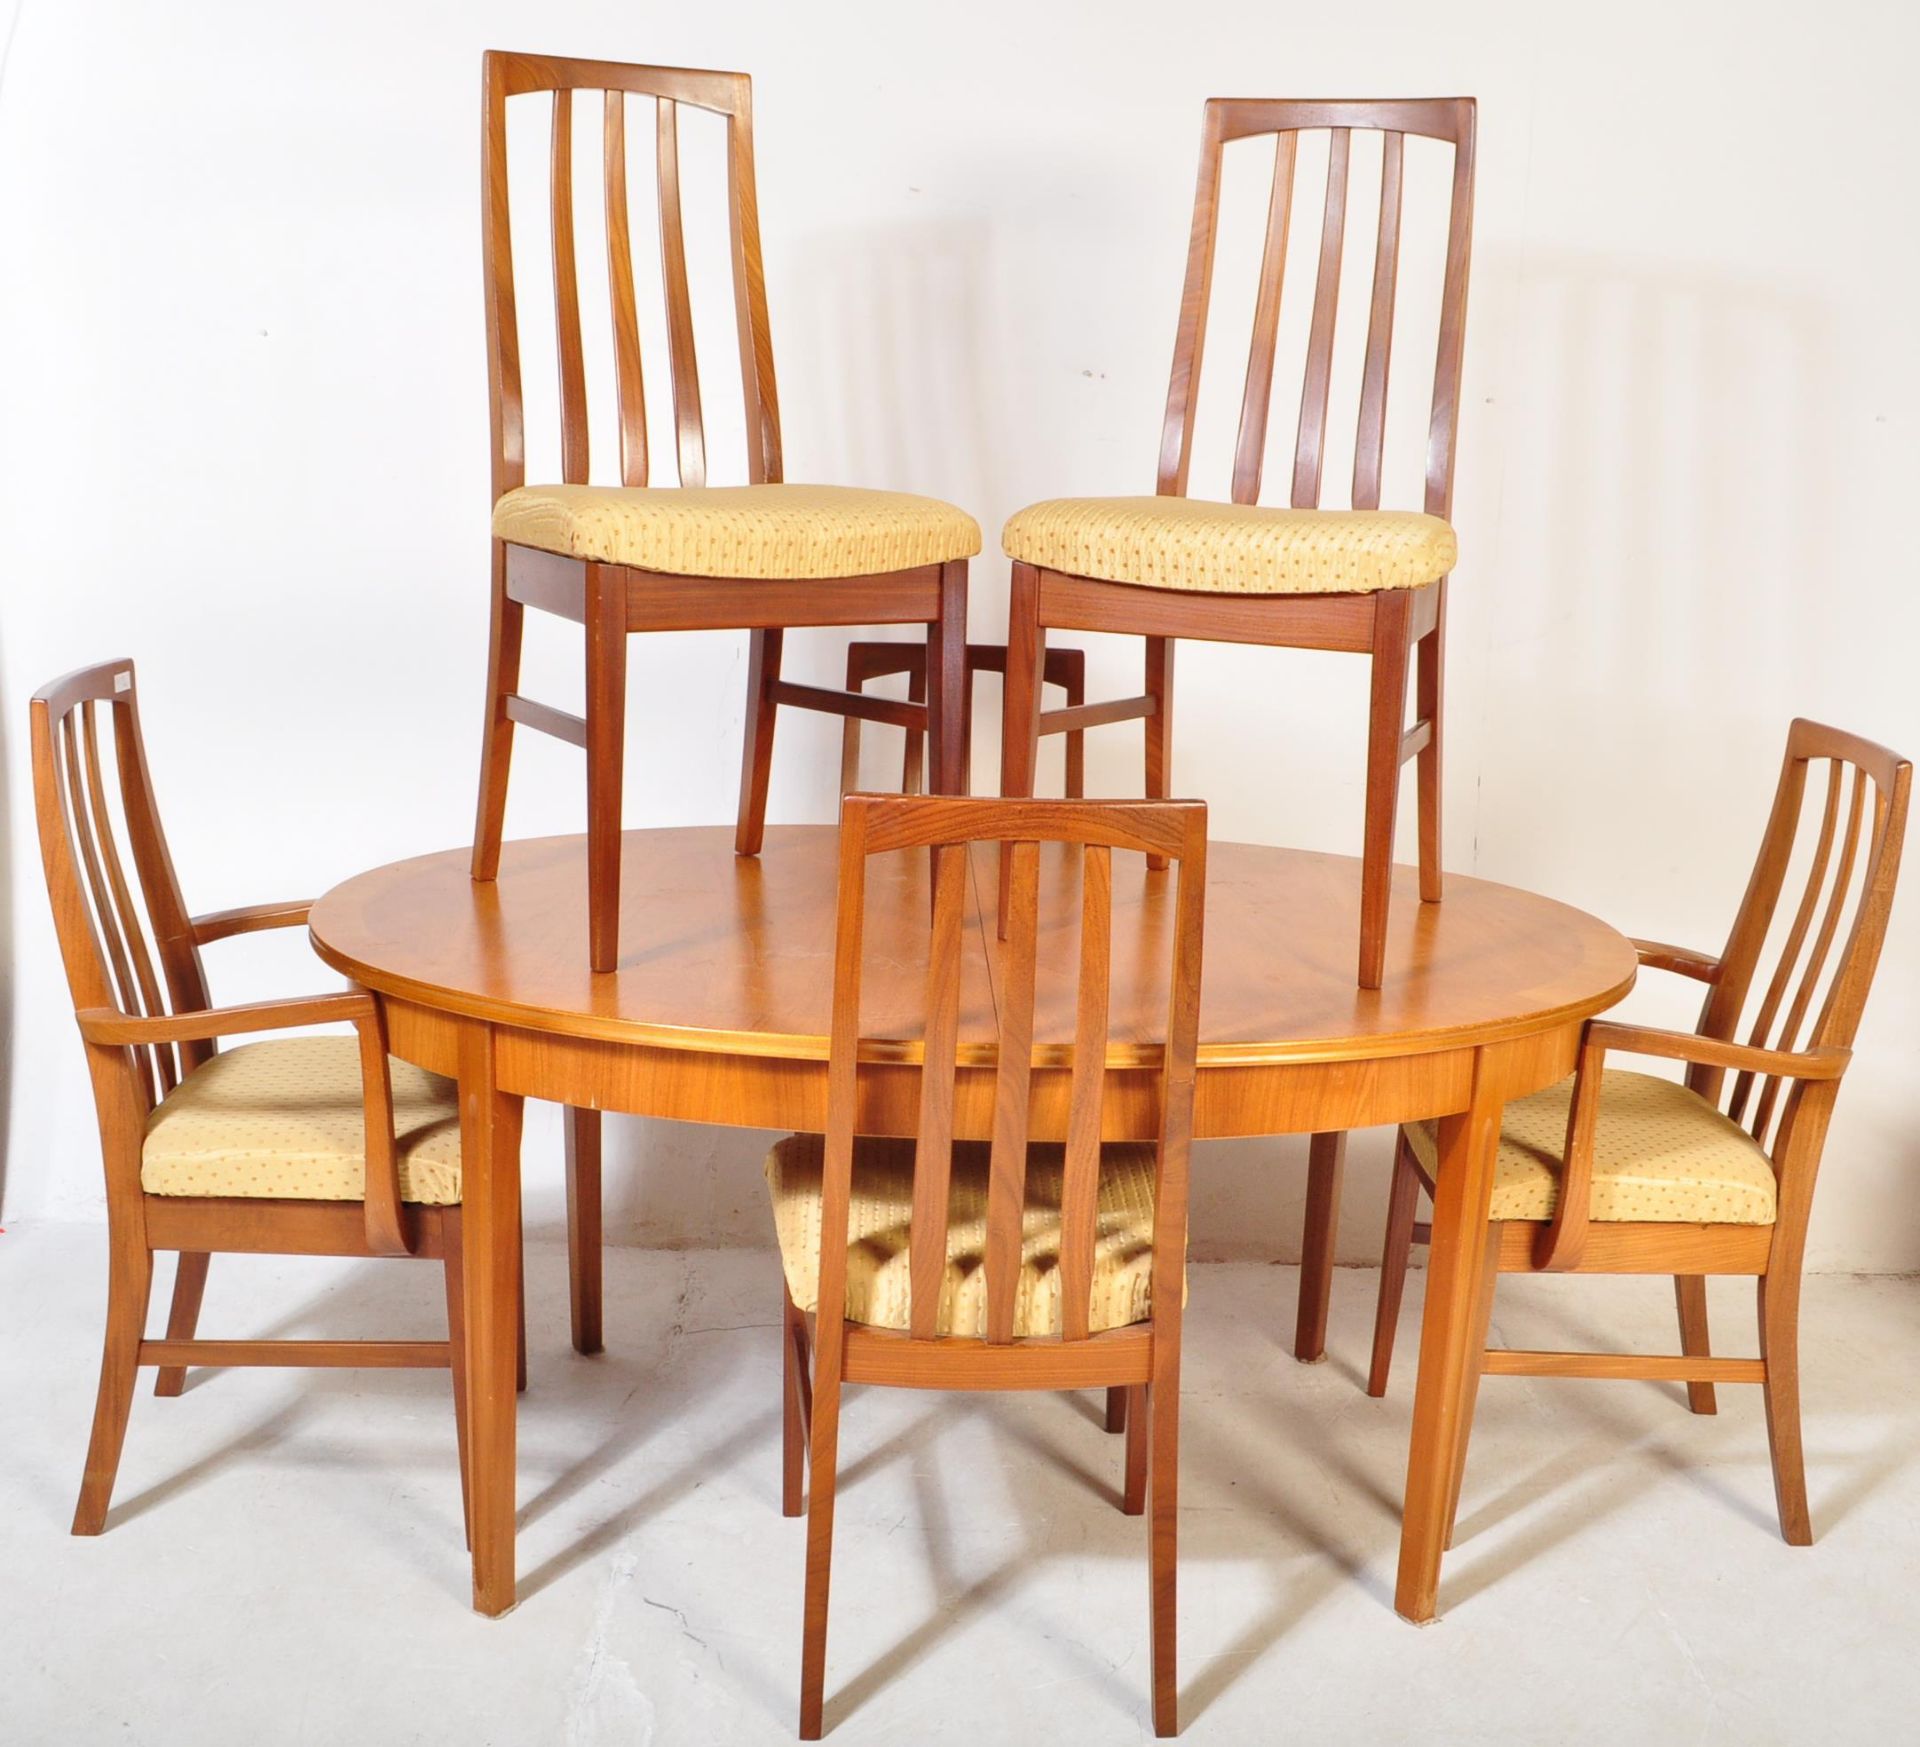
point(123, 682)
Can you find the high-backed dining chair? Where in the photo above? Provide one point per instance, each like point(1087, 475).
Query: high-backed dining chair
point(1618, 1172)
point(1362, 579)
point(297, 1146)
point(935, 1264)
point(615, 559)
point(867, 661)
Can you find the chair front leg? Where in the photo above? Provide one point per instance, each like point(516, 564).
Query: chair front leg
point(1386, 736)
point(496, 741)
point(756, 751)
point(606, 605)
point(189, 1286)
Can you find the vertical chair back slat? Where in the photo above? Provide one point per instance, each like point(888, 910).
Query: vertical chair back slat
point(101, 915)
point(933, 1144)
point(1443, 419)
point(1448, 120)
point(1080, 1185)
point(1370, 442)
point(1849, 881)
point(1012, 1094)
point(1796, 934)
point(726, 95)
point(1250, 449)
point(1310, 444)
point(126, 913)
point(689, 432)
point(872, 824)
point(575, 463)
point(1837, 890)
point(105, 923)
point(764, 463)
point(1190, 335)
point(628, 382)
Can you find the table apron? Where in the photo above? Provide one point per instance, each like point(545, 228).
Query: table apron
point(784, 1093)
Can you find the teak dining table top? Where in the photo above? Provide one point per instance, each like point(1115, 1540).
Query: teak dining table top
point(719, 1010)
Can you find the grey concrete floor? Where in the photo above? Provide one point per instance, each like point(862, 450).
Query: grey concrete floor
point(284, 1561)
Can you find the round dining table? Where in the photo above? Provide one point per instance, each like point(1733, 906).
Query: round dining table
point(718, 1012)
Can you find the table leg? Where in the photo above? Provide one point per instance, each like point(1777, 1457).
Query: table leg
point(1449, 1368)
point(490, 1192)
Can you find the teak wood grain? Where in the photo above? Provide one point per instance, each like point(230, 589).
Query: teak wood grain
point(612, 601)
point(1779, 1080)
point(1401, 631)
point(721, 1012)
point(132, 956)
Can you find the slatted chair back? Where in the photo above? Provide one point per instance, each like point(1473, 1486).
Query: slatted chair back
point(1847, 798)
point(127, 942)
point(620, 87)
point(1449, 119)
point(871, 825)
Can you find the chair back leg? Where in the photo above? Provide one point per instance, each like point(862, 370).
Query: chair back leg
point(189, 1287)
point(1138, 1427)
point(129, 1284)
point(1403, 1200)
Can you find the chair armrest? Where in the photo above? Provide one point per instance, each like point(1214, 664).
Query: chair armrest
point(1560, 1244)
point(110, 1026)
point(1657, 955)
point(248, 919)
point(1715, 1052)
point(386, 1234)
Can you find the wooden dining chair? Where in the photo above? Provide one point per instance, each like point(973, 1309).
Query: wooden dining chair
point(868, 661)
point(762, 556)
point(1616, 1172)
point(294, 1146)
point(933, 1263)
point(1362, 579)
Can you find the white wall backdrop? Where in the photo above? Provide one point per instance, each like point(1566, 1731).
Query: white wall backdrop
point(243, 439)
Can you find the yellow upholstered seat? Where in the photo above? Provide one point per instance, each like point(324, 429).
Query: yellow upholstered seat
point(285, 1119)
point(1660, 1153)
point(775, 533)
point(877, 1257)
point(1230, 548)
